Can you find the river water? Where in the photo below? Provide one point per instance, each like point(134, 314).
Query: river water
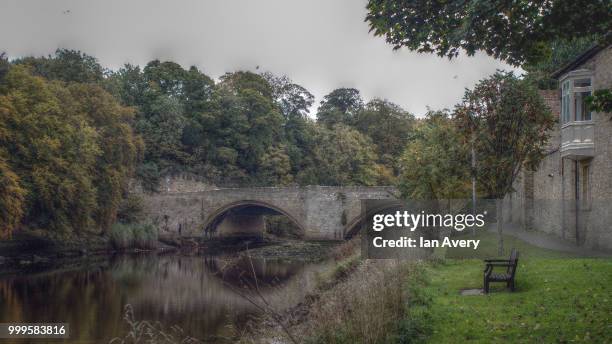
point(203, 295)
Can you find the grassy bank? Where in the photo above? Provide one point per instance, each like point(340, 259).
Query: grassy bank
point(559, 299)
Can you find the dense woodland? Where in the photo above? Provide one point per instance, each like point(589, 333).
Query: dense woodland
point(73, 135)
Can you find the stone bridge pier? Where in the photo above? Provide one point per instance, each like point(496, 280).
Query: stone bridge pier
point(321, 212)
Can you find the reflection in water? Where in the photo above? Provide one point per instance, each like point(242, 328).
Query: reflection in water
point(192, 292)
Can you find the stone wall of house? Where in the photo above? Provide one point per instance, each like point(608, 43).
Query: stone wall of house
point(545, 200)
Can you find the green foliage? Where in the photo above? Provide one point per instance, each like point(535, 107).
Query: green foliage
point(121, 236)
point(436, 162)
point(12, 197)
point(253, 129)
point(388, 125)
point(342, 156)
point(66, 65)
point(600, 101)
point(74, 133)
point(131, 209)
point(72, 147)
point(514, 31)
point(509, 124)
point(561, 53)
point(136, 235)
point(341, 106)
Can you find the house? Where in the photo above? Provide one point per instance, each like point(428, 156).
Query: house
point(570, 194)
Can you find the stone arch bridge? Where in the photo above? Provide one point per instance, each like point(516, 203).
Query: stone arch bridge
point(321, 212)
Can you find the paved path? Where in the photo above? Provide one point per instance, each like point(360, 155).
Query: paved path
point(548, 241)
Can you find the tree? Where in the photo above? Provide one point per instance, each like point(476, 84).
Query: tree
point(435, 163)
point(600, 101)
point(72, 147)
point(66, 65)
point(294, 102)
point(293, 99)
point(12, 197)
point(161, 123)
point(4, 66)
point(339, 107)
point(561, 53)
point(342, 156)
point(514, 31)
point(242, 124)
point(275, 167)
point(510, 124)
point(388, 125)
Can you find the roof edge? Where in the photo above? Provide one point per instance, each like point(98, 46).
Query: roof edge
point(580, 59)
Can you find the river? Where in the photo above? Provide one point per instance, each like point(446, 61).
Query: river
point(200, 294)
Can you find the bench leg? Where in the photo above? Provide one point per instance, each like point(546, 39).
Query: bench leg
point(486, 285)
point(512, 284)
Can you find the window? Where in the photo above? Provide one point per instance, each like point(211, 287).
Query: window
point(580, 108)
point(565, 98)
point(585, 192)
point(575, 88)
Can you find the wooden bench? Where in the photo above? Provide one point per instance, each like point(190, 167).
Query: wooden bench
point(507, 277)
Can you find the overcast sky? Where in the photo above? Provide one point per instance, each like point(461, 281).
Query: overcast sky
point(320, 44)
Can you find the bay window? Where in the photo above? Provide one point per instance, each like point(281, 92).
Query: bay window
point(575, 88)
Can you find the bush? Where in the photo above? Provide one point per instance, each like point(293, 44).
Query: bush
point(120, 236)
point(145, 236)
point(138, 235)
point(131, 209)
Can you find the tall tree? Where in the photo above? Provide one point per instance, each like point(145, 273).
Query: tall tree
point(561, 52)
point(66, 65)
point(435, 163)
point(514, 31)
point(72, 147)
point(388, 125)
point(342, 156)
point(509, 124)
point(294, 101)
point(340, 107)
point(12, 197)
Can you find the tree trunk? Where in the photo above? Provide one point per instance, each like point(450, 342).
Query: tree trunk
point(500, 224)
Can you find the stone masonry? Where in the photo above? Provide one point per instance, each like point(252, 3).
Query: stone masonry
point(322, 212)
point(571, 197)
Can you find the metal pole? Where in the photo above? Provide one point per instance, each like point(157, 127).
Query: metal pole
point(473, 184)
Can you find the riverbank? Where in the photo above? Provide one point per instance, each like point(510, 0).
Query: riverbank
point(559, 298)
point(29, 251)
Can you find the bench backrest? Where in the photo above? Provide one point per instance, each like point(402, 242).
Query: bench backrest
point(514, 255)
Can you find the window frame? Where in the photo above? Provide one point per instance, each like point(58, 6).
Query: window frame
point(568, 95)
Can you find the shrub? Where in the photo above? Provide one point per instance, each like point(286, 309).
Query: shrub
point(130, 209)
point(138, 235)
point(121, 236)
point(145, 236)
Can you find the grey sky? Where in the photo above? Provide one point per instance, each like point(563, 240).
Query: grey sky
point(320, 44)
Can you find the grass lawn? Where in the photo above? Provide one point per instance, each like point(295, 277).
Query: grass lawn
point(558, 300)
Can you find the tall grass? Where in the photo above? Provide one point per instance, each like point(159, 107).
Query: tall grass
point(142, 331)
point(367, 306)
point(126, 236)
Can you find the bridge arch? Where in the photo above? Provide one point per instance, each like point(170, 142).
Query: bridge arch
point(217, 216)
point(355, 225)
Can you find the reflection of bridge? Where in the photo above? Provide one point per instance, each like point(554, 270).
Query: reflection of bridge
point(321, 212)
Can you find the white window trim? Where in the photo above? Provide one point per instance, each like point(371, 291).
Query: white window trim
point(570, 78)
